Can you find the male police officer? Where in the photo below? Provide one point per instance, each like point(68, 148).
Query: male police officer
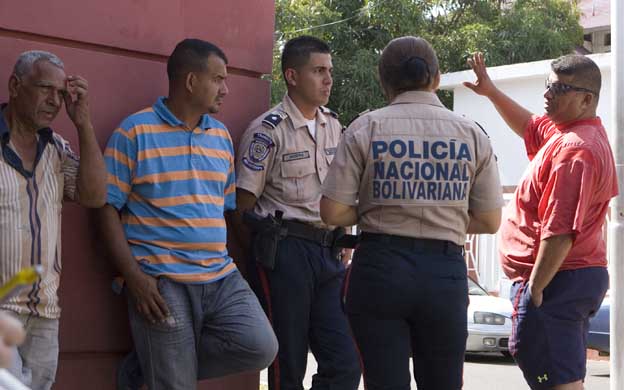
point(281, 163)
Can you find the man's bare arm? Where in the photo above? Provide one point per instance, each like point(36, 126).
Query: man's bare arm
point(516, 116)
point(337, 214)
point(91, 180)
point(245, 201)
point(485, 222)
point(143, 287)
point(552, 251)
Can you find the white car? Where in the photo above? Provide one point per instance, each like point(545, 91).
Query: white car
point(489, 321)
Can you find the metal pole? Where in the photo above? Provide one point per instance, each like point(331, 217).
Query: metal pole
point(616, 226)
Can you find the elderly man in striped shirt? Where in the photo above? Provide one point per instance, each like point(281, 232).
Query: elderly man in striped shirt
point(171, 178)
point(38, 170)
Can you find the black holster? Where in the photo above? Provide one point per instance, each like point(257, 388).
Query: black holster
point(342, 240)
point(267, 232)
point(336, 248)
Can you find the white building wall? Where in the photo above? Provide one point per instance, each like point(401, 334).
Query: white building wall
point(525, 84)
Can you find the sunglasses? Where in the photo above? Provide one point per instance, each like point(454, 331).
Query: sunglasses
point(561, 88)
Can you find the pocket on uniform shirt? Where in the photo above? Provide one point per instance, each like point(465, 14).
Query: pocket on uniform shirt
point(298, 181)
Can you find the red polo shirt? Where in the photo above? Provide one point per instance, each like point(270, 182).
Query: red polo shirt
point(565, 189)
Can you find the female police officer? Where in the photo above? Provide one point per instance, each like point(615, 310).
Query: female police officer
point(416, 178)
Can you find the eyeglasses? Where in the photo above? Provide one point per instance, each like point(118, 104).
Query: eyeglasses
point(561, 88)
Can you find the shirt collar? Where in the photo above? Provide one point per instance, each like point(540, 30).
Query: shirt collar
point(595, 121)
point(297, 118)
point(161, 109)
point(163, 112)
point(419, 97)
point(45, 133)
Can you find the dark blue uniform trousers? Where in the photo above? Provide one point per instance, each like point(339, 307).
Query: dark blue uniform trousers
point(408, 298)
point(301, 297)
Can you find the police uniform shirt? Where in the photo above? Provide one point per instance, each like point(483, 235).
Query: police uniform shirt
point(414, 169)
point(280, 162)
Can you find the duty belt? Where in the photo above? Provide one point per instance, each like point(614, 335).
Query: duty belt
point(416, 244)
point(324, 237)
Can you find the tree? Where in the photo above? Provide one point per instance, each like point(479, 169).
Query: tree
point(357, 30)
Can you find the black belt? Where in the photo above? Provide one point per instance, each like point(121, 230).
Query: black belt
point(325, 237)
point(417, 244)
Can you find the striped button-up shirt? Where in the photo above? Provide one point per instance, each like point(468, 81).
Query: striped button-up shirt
point(172, 185)
point(30, 217)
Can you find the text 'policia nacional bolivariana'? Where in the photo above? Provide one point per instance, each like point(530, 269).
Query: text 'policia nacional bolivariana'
point(421, 170)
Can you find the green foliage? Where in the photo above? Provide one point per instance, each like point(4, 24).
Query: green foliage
point(357, 30)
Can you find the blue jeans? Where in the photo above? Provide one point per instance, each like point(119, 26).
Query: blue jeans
point(216, 329)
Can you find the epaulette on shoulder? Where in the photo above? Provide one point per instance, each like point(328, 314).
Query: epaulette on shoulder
point(359, 115)
point(328, 111)
point(487, 135)
point(482, 129)
point(274, 118)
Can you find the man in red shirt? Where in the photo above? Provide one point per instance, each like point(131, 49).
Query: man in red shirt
point(551, 242)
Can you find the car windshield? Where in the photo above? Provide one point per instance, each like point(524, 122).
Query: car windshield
point(475, 289)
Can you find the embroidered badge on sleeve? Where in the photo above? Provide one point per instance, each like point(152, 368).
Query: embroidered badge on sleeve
point(259, 150)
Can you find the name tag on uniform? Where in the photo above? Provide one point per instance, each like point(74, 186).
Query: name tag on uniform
point(330, 151)
point(296, 156)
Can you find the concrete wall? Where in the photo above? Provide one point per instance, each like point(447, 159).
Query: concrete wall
point(121, 48)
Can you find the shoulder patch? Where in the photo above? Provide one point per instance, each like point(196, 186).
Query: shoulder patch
point(273, 119)
point(260, 147)
point(251, 165)
point(328, 111)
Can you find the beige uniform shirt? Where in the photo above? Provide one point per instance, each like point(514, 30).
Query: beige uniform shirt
point(415, 169)
point(282, 165)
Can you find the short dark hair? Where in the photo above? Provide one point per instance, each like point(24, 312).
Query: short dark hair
point(407, 63)
point(190, 56)
point(297, 51)
point(584, 72)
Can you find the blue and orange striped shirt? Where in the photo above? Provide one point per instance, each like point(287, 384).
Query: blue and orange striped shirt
point(172, 186)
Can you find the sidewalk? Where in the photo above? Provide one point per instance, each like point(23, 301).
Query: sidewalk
point(488, 372)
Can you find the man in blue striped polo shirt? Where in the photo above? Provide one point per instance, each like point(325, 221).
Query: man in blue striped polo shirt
point(170, 179)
